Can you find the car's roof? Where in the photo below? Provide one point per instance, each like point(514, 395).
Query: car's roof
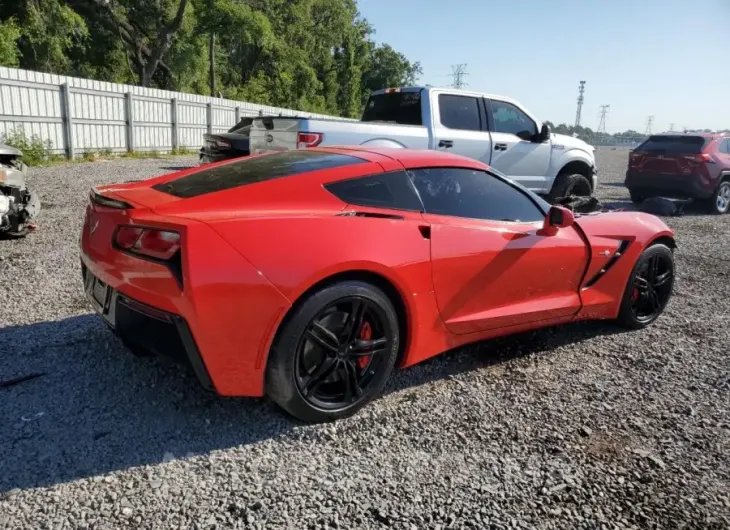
point(407, 157)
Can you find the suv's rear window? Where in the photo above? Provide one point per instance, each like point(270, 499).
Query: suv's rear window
point(673, 144)
point(252, 170)
point(403, 108)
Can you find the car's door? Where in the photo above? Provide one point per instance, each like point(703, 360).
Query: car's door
point(460, 126)
point(516, 151)
point(492, 265)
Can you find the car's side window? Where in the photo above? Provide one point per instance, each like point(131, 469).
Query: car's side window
point(510, 119)
point(386, 190)
point(472, 194)
point(460, 112)
point(725, 146)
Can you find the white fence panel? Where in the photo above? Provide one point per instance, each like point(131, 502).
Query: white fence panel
point(77, 115)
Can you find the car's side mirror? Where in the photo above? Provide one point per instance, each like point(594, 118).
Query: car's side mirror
point(544, 135)
point(557, 218)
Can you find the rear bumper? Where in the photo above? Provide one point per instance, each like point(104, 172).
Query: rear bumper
point(143, 329)
point(673, 186)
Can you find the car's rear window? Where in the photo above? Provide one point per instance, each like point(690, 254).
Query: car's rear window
point(673, 144)
point(403, 108)
point(253, 170)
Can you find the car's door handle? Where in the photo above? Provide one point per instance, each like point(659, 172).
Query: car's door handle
point(500, 147)
point(446, 143)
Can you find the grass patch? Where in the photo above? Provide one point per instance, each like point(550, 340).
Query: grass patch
point(36, 152)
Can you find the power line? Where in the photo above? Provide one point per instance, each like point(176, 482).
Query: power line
point(458, 72)
point(581, 90)
point(649, 121)
point(602, 119)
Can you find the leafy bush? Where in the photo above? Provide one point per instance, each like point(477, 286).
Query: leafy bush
point(35, 150)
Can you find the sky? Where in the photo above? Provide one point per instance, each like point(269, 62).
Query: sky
point(667, 58)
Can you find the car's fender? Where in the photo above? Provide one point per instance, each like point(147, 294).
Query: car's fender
point(562, 156)
point(616, 240)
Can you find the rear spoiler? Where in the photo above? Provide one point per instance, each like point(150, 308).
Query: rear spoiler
point(107, 202)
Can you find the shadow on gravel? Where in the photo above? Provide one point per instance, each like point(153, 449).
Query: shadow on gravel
point(80, 405)
point(498, 351)
point(96, 408)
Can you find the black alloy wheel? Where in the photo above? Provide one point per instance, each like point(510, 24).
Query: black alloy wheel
point(335, 353)
point(649, 288)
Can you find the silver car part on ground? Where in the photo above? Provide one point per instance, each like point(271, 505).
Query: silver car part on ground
point(18, 205)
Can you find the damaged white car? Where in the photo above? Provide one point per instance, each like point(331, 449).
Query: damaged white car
point(18, 205)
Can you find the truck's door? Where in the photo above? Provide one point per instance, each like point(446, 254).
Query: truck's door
point(516, 150)
point(459, 124)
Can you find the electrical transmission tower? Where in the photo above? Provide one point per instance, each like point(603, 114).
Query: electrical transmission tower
point(649, 121)
point(602, 120)
point(671, 127)
point(458, 73)
point(581, 90)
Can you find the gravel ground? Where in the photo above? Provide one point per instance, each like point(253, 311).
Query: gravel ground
point(577, 427)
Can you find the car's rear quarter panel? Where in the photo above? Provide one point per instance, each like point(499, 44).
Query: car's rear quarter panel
point(228, 305)
point(295, 254)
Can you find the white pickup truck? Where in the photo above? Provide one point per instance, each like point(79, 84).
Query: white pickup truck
point(494, 129)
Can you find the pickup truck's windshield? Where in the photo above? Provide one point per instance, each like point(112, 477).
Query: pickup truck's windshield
point(403, 108)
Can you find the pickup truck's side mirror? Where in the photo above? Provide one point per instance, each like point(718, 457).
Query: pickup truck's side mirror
point(556, 218)
point(544, 135)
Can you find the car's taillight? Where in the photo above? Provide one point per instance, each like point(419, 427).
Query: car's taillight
point(701, 158)
point(150, 242)
point(309, 139)
point(222, 144)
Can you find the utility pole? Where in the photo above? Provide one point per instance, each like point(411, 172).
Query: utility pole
point(458, 73)
point(602, 120)
point(581, 90)
point(649, 121)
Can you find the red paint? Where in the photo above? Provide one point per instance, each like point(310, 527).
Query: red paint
point(249, 253)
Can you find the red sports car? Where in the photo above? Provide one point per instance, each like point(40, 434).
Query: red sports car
point(309, 275)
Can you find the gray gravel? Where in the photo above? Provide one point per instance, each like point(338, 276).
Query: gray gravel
point(578, 427)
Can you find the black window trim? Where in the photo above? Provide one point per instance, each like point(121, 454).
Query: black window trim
point(483, 127)
point(373, 175)
point(494, 125)
point(490, 172)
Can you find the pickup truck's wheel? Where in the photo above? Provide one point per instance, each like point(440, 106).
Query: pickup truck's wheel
point(567, 184)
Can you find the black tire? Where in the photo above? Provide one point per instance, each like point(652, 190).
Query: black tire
point(637, 293)
point(636, 198)
point(719, 203)
point(567, 184)
point(290, 382)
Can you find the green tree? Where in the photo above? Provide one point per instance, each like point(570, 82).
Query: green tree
point(9, 35)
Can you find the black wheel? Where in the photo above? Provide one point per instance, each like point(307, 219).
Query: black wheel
point(335, 353)
point(636, 198)
point(567, 184)
point(649, 287)
point(719, 203)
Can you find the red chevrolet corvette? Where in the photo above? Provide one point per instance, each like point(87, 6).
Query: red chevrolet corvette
point(309, 275)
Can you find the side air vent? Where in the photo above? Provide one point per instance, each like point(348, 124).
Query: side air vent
point(616, 256)
point(377, 215)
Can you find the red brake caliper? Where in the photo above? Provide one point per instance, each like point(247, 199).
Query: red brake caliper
point(366, 333)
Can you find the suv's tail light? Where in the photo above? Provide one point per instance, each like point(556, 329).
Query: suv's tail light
point(702, 158)
point(150, 242)
point(309, 139)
